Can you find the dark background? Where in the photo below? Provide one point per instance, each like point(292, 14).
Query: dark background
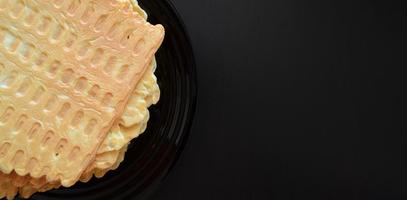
point(297, 100)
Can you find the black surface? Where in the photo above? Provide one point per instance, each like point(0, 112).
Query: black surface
point(297, 100)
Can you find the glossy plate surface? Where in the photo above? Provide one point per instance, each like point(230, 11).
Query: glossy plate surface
point(151, 156)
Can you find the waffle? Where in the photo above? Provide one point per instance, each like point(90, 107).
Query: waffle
point(43, 81)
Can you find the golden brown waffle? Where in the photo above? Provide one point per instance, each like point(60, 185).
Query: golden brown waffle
point(56, 66)
point(132, 123)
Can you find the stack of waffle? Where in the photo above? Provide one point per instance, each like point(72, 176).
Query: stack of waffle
point(76, 80)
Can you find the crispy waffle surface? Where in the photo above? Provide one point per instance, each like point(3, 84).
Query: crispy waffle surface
point(110, 153)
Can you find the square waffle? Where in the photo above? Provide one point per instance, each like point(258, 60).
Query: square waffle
point(67, 71)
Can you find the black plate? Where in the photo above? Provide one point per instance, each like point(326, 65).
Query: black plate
point(151, 156)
